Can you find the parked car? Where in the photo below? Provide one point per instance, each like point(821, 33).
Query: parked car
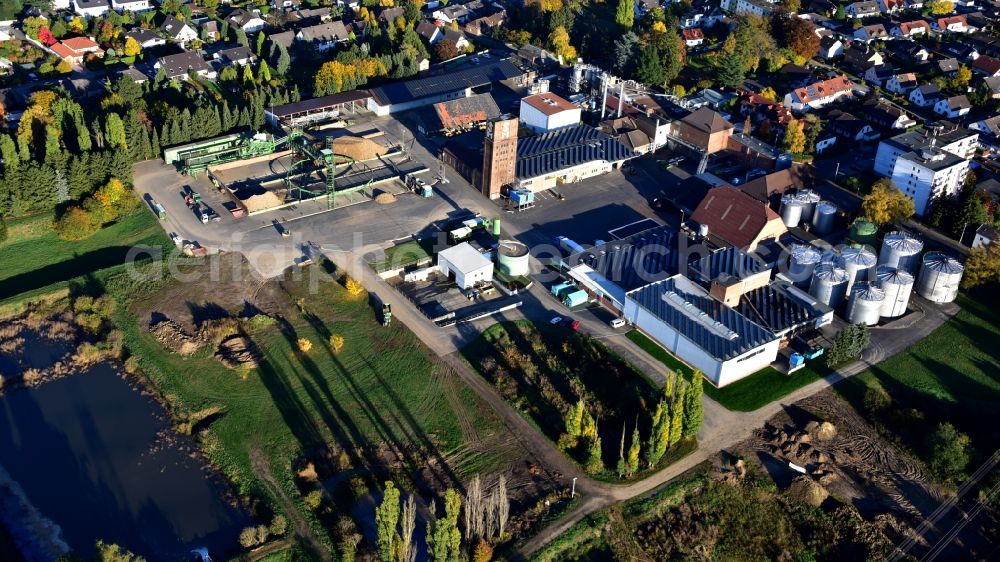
point(571, 324)
point(618, 323)
point(556, 320)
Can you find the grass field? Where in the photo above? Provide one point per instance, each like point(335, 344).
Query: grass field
point(33, 256)
point(952, 375)
point(404, 254)
point(745, 395)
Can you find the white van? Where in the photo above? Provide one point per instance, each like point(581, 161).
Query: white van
point(617, 323)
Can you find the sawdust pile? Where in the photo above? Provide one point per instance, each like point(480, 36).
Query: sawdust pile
point(358, 148)
point(385, 198)
point(261, 201)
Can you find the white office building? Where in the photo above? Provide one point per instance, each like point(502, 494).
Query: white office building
point(467, 265)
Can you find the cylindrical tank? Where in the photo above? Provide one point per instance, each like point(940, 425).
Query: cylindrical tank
point(940, 275)
point(832, 256)
point(512, 258)
point(802, 260)
point(791, 210)
point(829, 284)
point(863, 231)
point(809, 199)
point(496, 227)
point(865, 304)
point(823, 217)
point(860, 264)
point(901, 251)
point(897, 284)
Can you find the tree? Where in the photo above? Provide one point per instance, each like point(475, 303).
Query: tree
point(694, 414)
point(625, 13)
point(353, 287)
point(626, 48)
point(559, 41)
point(407, 549)
point(982, 266)
point(885, 203)
point(950, 452)
point(386, 520)
point(622, 467)
point(794, 140)
point(848, 344)
point(632, 464)
point(279, 525)
point(114, 131)
point(659, 435)
point(672, 53)
point(446, 50)
point(108, 552)
point(3, 230)
point(264, 72)
point(304, 345)
point(676, 419)
point(962, 78)
point(59, 29)
point(336, 343)
point(45, 36)
point(444, 540)
point(77, 224)
point(729, 70)
point(259, 44)
point(970, 210)
point(483, 552)
point(649, 70)
point(132, 47)
point(800, 36)
point(940, 7)
point(839, 13)
point(594, 463)
point(284, 61)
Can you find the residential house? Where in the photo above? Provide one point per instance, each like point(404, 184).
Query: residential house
point(761, 8)
point(313, 15)
point(925, 95)
point(702, 14)
point(861, 10)
point(177, 67)
point(389, 15)
point(849, 127)
point(693, 37)
point(992, 86)
point(430, 32)
point(906, 51)
point(911, 29)
point(885, 116)
point(987, 66)
point(135, 74)
point(901, 83)
point(130, 5)
point(985, 235)
point(948, 66)
point(830, 47)
point(819, 94)
point(450, 13)
point(859, 57)
point(458, 38)
point(879, 74)
point(951, 24)
point(989, 132)
point(643, 7)
point(91, 8)
point(891, 6)
point(824, 141)
point(146, 38)
point(75, 49)
point(234, 56)
point(249, 22)
point(324, 36)
point(285, 4)
point(484, 24)
point(953, 107)
point(208, 28)
point(915, 5)
point(284, 38)
point(869, 33)
point(962, 51)
point(178, 31)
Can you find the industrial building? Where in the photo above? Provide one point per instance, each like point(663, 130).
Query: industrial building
point(547, 111)
point(738, 218)
point(317, 109)
point(467, 265)
point(465, 113)
point(567, 155)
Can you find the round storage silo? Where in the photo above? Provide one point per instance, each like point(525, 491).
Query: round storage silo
point(802, 260)
point(940, 275)
point(791, 210)
point(809, 199)
point(863, 231)
point(865, 304)
point(897, 284)
point(829, 284)
point(860, 264)
point(832, 256)
point(901, 251)
point(512, 258)
point(823, 217)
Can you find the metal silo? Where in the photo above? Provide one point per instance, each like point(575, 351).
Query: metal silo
point(900, 250)
point(897, 284)
point(809, 199)
point(791, 210)
point(829, 284)
point(859, 263)
point(865, 304)
point(823, 217)
point(939, 277)
point(802, 261)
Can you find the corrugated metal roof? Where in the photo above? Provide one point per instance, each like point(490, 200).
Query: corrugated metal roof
point(730, 261)
point(721, 331)
point(566, 147)
point(775, 309)
point(410, 90)
point(634, 261)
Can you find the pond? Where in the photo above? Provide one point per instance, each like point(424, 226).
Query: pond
point(97, 458)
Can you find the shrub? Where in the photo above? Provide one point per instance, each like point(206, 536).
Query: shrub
point(77, 224)
point(876, 399)
point(248, 537)
point(353, 287)
point(3, 230)
point(336, 343)
point(305, 345)
point(259, 322)
point(950, 452)
point(483, 552)
point(279, 525)
point(313, 499)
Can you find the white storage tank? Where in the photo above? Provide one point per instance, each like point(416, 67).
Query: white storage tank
point(865, 304)
point(823, 217)
point(512, 258)
point(860, 264)
point(901, 251)
point(802, 260)
point(897, 284)
point(939, 278)
point(809, 199)
point(829, 284)
point(791, 210)
point(832, 256)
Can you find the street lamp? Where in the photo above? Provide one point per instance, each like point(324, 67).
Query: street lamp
point(572, 493)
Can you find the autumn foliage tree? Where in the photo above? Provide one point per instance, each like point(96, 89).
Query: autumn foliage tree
point(336, 76)
point(982, 266)
point(795, 137)
point(45, 36)
point(446, 49)
point(886, 203)
point(559, 42)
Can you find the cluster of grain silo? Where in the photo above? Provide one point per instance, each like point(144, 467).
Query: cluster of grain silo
point(897, 284)
point(865, 304)
point(829, 284)
point(800, 208)
point(791, 210)
point(809, 200)
point(823, 217)
point(859, 262)
point(901, 251)
point(939, 277)
point(802, 261)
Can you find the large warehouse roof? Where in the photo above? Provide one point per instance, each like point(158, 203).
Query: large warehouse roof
point(315, 104)
point(566, 147)
point(776, 307)
point(719, 330)
point(634, 261)
point(474, 77)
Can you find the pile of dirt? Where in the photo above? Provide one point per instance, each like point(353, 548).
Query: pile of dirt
point(238, 351)
point(823, 431)
point(357, 148)
point(385, 198)
point(173, 337)
point(804, 489)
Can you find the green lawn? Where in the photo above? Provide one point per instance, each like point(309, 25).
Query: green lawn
point(33, 256)
point(745, 395)
point(404, 254)
point(952, 375)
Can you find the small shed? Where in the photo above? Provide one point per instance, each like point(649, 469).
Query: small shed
point(468, 266)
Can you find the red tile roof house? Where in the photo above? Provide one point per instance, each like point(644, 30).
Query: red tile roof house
point(819, 94)
point(693, 37)
point(986, 65)
point(75, 49)
point(955, 24)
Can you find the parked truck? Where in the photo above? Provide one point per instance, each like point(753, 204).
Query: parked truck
point(568, 245)
point(161, 213)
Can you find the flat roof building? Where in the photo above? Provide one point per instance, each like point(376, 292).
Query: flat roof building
point(547, 111)
point(467, 265)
